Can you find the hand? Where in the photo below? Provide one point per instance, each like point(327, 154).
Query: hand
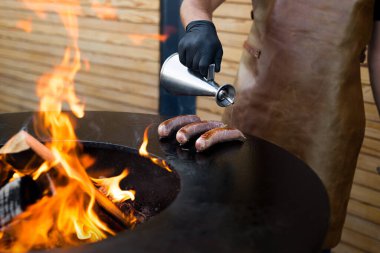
point(200, 47)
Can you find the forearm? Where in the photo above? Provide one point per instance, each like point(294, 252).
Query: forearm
point(198, 10)
point(374, 63)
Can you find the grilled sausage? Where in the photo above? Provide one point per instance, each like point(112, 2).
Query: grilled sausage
point(168, 127)
point(191, 130)
point(218, 135)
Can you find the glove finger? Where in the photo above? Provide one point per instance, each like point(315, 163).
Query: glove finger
point(204, 63)
point(189, 58)
point(196, 61)
point(218, 59)
point(182, 52)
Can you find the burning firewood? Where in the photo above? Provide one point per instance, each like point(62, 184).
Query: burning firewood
point(17, 153)
point(47, 179)
point(125, 206)
point(16, 196)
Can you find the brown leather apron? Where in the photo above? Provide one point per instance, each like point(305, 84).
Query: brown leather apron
point(299, 87)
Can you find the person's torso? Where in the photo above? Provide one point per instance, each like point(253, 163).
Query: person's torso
point(300, 88)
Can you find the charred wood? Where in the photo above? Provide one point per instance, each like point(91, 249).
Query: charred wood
point(16, 196)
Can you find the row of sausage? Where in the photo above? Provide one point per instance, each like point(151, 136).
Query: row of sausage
point(208, 133)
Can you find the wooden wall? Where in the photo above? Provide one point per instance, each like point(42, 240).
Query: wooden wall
point(124, 66)
point(123, 76)
point(362, 227)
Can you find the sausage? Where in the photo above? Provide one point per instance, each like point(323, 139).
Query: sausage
point(168, 127)
point(197, 128)
point(217, 135)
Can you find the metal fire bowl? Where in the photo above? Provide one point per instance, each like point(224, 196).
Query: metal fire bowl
point(251, 197)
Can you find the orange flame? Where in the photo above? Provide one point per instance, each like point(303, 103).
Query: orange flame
point(87, 65)
point(144, 153)
point(15, 176)
point(68, 216)
point(38, 6)
point(25, 25)
point(104, 10)
point(138, 39)
point(111, 187)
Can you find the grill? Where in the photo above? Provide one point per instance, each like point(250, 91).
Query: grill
point(234, 198)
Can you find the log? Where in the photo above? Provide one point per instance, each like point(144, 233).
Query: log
point(26, 140)
point(16, 196)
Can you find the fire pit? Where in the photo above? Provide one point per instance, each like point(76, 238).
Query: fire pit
point(235, 198)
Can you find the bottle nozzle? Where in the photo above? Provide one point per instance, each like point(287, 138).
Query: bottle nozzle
point(225, 95)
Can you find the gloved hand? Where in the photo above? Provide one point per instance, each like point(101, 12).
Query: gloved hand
point(200, 47)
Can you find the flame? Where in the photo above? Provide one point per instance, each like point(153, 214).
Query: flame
point(66, 217)
point(144, 153)
point(86, 63)
point(138, 39)
point(25, 25)
point(38, 6)
point(111, 188)
point(15, 176)
point(87, 160)
point(104, 10)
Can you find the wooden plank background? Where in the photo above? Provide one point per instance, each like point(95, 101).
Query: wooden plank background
point(123, 76)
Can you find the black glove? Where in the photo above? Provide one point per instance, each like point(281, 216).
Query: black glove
point(200, 47)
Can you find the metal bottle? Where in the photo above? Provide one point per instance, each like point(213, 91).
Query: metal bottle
point(179, 80)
